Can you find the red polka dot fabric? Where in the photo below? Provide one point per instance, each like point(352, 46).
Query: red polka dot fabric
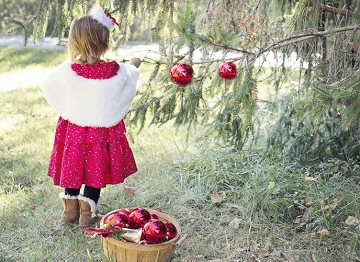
point(94, 156)
point(97, 70)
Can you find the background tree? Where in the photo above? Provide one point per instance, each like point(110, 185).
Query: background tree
point(17, 15)
point(320, 118)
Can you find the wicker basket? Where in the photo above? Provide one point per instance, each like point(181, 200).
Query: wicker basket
point(123, 251)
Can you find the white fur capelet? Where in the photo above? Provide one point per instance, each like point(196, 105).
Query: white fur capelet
point(91, 102)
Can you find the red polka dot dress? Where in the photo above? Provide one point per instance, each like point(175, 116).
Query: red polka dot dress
point(94, 156)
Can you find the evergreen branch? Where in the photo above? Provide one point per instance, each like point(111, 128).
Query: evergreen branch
point(232, 48)
point(226, 46)
point(321, 91)
point(208, 6)
point(303, 37)
point(20, 25)
point(279, 44)
point(145, 105)
point(158, 62)
point(329, 9)
point(218, 60)
point(143, 61)
point(338, 83)
point(206, 75)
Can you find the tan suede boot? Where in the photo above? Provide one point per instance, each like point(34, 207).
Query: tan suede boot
point(89, 211)
point(71, 211)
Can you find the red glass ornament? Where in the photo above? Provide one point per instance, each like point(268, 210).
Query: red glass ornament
point(125, 211)
point(138, 218)
point(116, 218)
point(154, 216)
point(154, 231)
point(182, 73)
point(170, 230)
point(227, 70)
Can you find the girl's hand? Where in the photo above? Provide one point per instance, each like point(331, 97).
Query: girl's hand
point(135, 61)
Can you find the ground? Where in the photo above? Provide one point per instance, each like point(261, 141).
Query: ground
point(273, 210)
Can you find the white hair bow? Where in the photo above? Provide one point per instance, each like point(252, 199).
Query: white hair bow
point(99, 14)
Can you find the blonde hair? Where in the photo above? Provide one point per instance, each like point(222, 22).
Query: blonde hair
point(88, 40)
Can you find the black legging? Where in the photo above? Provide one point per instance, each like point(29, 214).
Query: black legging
point(89, 192)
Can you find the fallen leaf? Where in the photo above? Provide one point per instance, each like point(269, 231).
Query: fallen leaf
point(129, 191)
point(262, 253)
point(271, 185)
point(350, 221)
point(197, 258)
point(337, 201)
point(297, 220)
point(323, 232)
point(325, 208)
point(218, 197)
point(227, 242)
point(277, 253)
point(235, 223)
point(312, 179)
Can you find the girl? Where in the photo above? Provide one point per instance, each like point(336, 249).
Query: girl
point(92, 97)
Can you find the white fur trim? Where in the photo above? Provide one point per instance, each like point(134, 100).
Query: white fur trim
point(91, 102)
point(93, 205)
point(63, 196)
point(98, 13)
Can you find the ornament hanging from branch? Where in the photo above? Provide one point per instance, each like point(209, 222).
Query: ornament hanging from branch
point(227, 70)
point(182, 73)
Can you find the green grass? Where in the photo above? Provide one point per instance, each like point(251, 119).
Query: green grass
point(21, 58)
point(263, 195)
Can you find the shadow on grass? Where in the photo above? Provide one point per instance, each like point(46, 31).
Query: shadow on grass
point(19, 177)
point(27, 101)
point(16, 58)
point(26, 130)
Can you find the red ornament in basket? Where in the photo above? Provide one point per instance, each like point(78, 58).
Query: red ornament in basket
point(138, 217)
point(151, 228)
point(171, 231)
point(116, 218)
point(154, 231)
point(154, 216)
point(126, 212)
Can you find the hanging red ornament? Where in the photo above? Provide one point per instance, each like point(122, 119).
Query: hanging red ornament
point(154, 231)
point(227, 70)
point(154, 216)
point(182, 73)
point(170, 230)
point(138, 217)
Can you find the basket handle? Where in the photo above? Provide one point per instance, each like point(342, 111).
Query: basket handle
point(181, 240)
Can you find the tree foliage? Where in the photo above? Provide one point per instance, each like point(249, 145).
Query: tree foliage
point(322, 36)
